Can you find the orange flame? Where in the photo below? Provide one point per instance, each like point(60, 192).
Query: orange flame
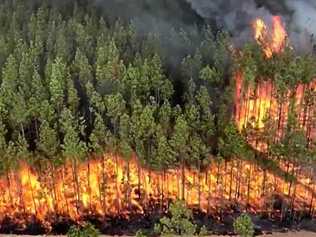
point(271, 42)
point(256, 103)
point(111, 186)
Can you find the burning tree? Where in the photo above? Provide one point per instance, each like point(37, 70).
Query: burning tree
point(98, 120)
point(274, 95)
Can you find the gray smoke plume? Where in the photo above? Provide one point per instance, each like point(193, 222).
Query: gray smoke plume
point(302, 23)
point(303, 15)
point(235, 16)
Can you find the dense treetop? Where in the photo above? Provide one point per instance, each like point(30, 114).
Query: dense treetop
point(74, 83)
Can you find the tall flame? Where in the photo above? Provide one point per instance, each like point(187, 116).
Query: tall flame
point(271, 42)
point(256, 103)
point(111, 186)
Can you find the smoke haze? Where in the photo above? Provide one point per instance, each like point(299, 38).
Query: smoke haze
point(233, 16)
point(299, 16)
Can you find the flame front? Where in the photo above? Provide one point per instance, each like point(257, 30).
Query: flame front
point(111, 186)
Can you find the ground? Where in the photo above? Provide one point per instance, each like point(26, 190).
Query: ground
point(295, 234)
point(290, 234)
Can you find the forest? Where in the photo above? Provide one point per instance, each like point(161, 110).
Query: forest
point(99, 116)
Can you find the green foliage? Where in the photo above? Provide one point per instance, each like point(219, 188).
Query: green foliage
point(75, 82)
point(48, 143)
point(72, 146)
point(180, 222)
point(140, 233)
point(203, 231)
point(243, 226)
point(233, 144)
point(57, 83)
point(180, 136)
point(87, 231)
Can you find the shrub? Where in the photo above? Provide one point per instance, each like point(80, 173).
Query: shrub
point(87, 231)
point(180, 222)
point(140, 233)
point(243, 226)
point(203, 231)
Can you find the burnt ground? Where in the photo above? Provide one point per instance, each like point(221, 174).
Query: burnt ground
point(297, 224)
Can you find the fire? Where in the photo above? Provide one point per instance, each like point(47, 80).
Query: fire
point(271, 42)
point(112, 186)
point(253, 105)
point(256, 103)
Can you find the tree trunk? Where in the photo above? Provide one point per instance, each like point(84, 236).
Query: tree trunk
point(138, 183)
point(63, 183)
point(199, 186)
point(240, 164)
point(118, 198)
point(279, 133)
point(89, 187)
point(225, 176)
point(9, 188)
point(208, 180)
point(264, 183)
point(312, 199)
point(128, 187)
point(294, 191)
point(249, 187)
point(53, 188)
point(162, 197)
point(231, 180)
point(183, 181)
point(76, 182)
point(103, 186)
point(21, 201)
point(292, 175)
point(32, 191)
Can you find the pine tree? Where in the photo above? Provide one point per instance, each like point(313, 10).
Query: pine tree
point(48, 143)
point(57, 83)
point(164, 157)
point(72, 146)
point(99, 136)
point(179, 142)
point(82, 68)
point(3, 148)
